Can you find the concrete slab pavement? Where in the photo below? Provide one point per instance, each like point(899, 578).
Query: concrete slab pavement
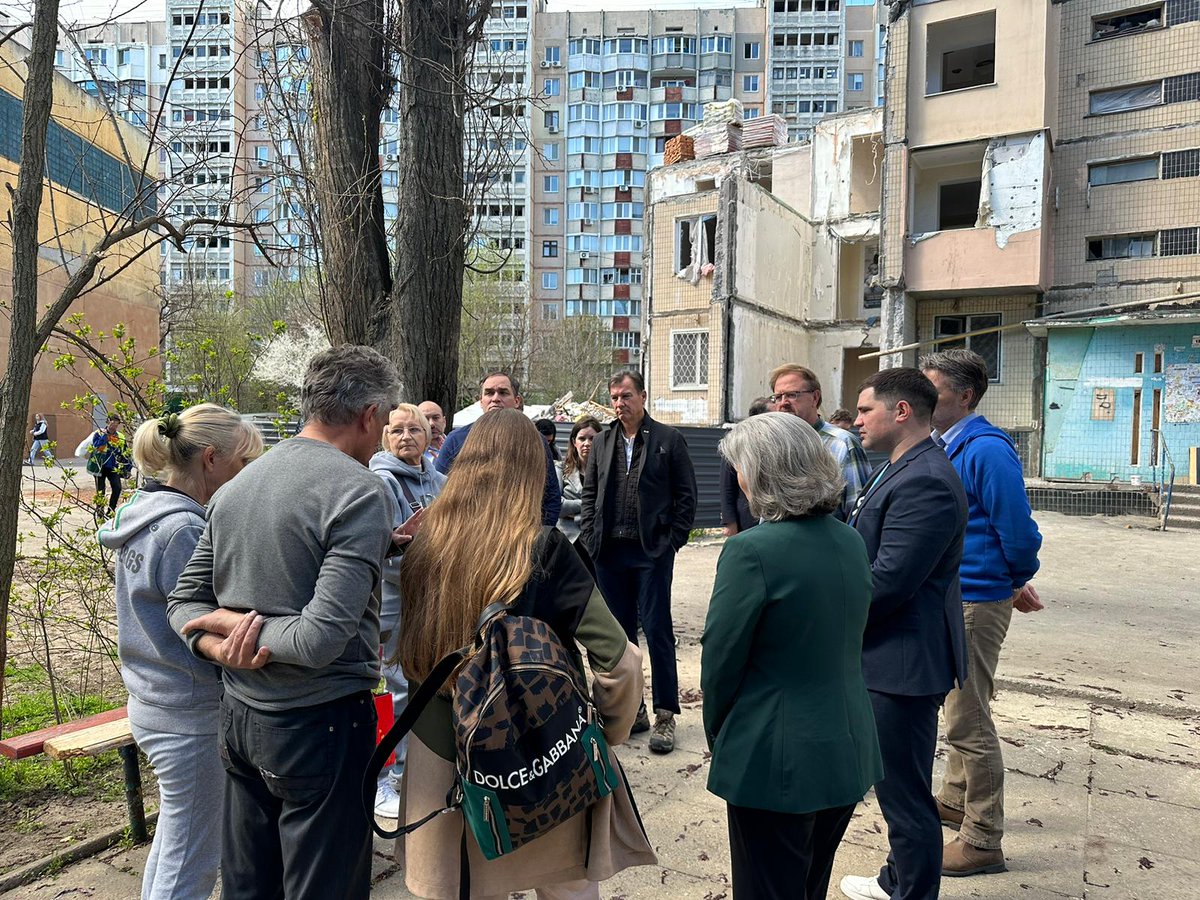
point(1102, 750)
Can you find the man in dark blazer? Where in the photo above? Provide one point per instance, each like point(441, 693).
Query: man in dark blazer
point(912, 515)
point(639, 500)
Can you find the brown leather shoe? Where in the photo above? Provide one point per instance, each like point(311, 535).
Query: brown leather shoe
point(951, 818)
point(960, 858)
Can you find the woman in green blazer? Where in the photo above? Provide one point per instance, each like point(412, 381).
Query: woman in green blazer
point(786, 712)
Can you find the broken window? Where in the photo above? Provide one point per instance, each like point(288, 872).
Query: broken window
point(986, 345)
point(689, 359)
point(1181, 164)
point(958, 204)
point(1129, 246)
point(1123, 23)
point(961, 53)
point(1177, 242)
point(696, 239)
point(1123, 171)
point(1123, 99)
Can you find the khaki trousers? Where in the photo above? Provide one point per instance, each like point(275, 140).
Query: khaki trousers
point(974, 781)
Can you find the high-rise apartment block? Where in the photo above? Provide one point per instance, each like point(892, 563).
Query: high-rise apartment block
point(570, 107)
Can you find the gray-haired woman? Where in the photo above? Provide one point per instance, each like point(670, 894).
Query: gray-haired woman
point(786, 711)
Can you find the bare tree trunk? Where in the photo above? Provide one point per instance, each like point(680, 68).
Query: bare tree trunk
point(350, 88)
point(423, 333)
point(37, 98)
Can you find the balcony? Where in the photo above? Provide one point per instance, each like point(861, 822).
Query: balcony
point(674, 62)
point(977, 227)
point(673, 95)
point(710, 61)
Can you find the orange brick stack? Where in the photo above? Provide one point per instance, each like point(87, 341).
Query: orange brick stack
point(679, 149)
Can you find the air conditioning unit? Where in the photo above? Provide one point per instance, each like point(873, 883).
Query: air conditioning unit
point(262, 163)
point(583, 254)
point(556, 64)
point(392, 157)
point(639, 124)
point(544, 64)
point(553, 129)
point(624, 186)
point(589, 189)
point(589, 221)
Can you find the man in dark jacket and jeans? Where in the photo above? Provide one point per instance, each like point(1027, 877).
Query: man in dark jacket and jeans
point(1000, 556)
point(639, 500)
point(288, 571)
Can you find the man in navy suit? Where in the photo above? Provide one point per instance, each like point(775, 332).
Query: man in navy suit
point(912, 515)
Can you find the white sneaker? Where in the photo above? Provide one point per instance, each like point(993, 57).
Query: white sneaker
point(387, 802)
point(857, 887)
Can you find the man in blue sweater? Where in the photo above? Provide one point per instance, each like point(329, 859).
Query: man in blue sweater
point(1000, 556)
point(499, 390)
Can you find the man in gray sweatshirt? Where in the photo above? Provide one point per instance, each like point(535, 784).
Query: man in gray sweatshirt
point(283, 592)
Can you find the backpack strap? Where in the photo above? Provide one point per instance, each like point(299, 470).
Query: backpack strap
point(408, 494)
point(403, 725)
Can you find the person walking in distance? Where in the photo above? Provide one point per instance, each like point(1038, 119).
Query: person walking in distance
point(639, 501)
point(174, 698)
point(108, 462)
point(499, 390)
point(912, 516)
point(796, 390)
point(437, 428)
point(1000, 556)
point(301, 534)
point(41, 439)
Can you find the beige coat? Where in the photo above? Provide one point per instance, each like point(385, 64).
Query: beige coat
point(430, 854)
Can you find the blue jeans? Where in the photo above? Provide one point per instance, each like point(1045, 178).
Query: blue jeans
point(186, 851)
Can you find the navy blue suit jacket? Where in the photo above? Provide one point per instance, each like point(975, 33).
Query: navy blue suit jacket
point(551, 495)
point(913, 521)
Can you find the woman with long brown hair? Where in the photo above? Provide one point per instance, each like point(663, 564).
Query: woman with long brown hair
point(571, 474)
point(483, 542)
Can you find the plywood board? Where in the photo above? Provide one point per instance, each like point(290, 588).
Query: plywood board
point(90, 741)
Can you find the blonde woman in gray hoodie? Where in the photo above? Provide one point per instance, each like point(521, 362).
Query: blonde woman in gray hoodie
point(174, 695)
point(413, 483)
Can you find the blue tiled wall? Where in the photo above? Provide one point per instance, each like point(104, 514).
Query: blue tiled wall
point(1078, 360)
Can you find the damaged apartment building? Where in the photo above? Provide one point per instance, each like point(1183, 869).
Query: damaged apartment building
point(1042, 185)
point(1031, 191)
point(761, 257)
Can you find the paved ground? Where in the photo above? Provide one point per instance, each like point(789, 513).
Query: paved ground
point(1099, 713)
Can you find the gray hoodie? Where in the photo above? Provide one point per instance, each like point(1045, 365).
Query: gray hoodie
point(170, 689)
point(424, 483)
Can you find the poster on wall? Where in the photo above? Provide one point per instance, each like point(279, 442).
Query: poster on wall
point(1102, 404)
point(1183, 394)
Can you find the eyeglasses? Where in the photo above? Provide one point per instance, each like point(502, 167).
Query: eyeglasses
point(790, 395)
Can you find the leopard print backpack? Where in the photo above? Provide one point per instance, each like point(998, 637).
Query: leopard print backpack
point(530, 749)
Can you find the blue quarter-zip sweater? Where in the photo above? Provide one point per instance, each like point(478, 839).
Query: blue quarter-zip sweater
point(1000, 550)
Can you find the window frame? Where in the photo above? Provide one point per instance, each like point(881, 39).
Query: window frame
point(677, 385)
point(968, 327)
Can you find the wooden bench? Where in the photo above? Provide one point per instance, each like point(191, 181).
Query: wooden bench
point(90, 736)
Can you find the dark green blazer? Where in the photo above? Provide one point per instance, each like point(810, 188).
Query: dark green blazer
point(786, 711)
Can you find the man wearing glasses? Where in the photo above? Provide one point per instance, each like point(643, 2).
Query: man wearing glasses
point(795, 389)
